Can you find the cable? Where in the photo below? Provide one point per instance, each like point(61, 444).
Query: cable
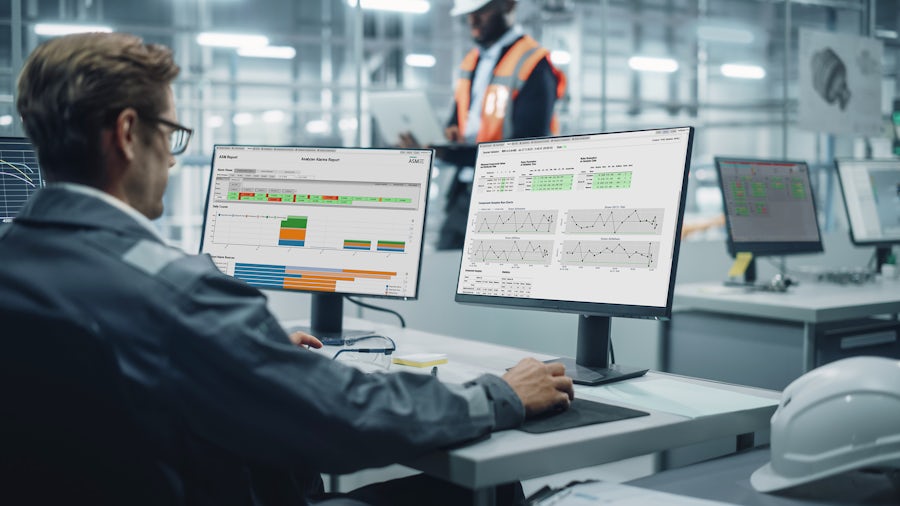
point(376, 308)
point(612, 353)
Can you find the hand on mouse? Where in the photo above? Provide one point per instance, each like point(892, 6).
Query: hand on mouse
point(540, 386)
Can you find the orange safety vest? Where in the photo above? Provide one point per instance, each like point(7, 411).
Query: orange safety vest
point(510, 75)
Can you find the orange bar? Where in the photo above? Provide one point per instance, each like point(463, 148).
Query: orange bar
point(293, 234)
point(337, 276)
point(383, 273)
point(312, 288)
point(329, 197)
point(319, 284)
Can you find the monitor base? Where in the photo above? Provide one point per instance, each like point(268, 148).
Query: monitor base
point(331, 338)
point(582, 375)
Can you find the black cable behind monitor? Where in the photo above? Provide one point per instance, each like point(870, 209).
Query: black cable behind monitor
point(377, 308)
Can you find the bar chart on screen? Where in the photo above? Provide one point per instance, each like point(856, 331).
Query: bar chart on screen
point(20, 175)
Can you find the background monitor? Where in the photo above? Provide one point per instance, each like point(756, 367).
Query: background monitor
point(769, 208)
point(20, 175)
point(871, 191)
point(325, 221)
point(587, 224)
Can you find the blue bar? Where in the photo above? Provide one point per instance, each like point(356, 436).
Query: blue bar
point(361, 248)
point(287, 242)
point(273, 268)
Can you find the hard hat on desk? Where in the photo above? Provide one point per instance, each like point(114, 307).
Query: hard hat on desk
point(467, 6)
point(839, 417)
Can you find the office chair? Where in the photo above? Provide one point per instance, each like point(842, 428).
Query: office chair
point(66, 430)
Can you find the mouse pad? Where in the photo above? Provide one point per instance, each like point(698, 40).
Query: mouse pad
point(580, 412)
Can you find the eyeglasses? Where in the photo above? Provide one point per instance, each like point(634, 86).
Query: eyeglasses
point(178, 137)
point(365, 358)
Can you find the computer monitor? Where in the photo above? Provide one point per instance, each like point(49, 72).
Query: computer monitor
point(20, 175)
point(871, 191)
point(769, 208)
point(586, 224)
point(326, 221)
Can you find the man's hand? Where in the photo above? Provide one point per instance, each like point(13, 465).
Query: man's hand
point(540, 386)
point(304, 339)
point(408, 141)
point(452, 133)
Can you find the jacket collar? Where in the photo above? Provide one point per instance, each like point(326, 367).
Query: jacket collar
point(57, 205)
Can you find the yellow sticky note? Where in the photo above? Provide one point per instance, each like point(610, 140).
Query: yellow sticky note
point(421, 359)
point(741, 261)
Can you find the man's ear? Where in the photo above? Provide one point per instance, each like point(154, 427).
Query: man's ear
point(125, 134)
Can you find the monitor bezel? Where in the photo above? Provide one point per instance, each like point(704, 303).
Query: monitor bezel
point(768, 248)
point(855, 240)
point(426, 190)
point(595, 308)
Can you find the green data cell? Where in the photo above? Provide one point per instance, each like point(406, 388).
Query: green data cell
point(552, 183)
point(611, 180)
point(294, 222)
point(742, 211)
point(777, 183)
point(798, 189)
point(758, 190)
point(312, 199)
point(761, 208)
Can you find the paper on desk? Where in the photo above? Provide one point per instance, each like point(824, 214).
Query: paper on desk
point(676, 397)
point(616, 494)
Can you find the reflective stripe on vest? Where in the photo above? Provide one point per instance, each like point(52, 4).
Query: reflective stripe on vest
point(510, 74)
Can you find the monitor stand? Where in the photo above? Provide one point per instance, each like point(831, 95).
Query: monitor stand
point(327, 320)
point(882, 253)
point(591, 365)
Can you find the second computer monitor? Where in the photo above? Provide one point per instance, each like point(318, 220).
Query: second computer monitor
point(587, 224)
point(769, 206)
point(871, 191)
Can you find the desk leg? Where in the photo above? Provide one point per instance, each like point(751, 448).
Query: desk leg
point(809, 346)
point(744, 441)
point(485, 497)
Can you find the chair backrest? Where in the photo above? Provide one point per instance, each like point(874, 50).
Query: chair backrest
point(67, 433)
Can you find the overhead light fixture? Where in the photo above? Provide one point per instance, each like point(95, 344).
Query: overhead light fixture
point(560, 57)
point(318, 126)
point(420, 60)
point(56, 29)
point(347, 124)
point(235, 40)
point(215, 121)
point(743, 71)
point(409, 6)
point(273, 116)
point(886, 34)
point(725, 34)
point(650, 64)
point(6, 120)
point(242, 118)
point(279, 52)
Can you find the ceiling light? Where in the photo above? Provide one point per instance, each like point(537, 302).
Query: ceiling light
point(560, 57)
point(649, 64)
point(6, 120)
point(219, 39)
point(215, 121)
point(280, 52)
point(420, 60)
point(54, 29)
point(318, 126)
point(273, 116)
point(410, 6)
point(242, 118)
point(725, 34)
point(743, 71)
point(347, 124)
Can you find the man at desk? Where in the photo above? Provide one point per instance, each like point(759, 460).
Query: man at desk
point(238, 411)
point(507, 89)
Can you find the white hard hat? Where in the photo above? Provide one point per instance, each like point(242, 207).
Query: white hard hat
point(842, 416)
point(467, 6)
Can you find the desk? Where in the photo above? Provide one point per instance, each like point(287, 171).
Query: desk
point(728, 479)
point(513, 455)
point(811, 303)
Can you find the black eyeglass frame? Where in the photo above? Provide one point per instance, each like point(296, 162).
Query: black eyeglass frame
point(386, 351)
point(176, 127)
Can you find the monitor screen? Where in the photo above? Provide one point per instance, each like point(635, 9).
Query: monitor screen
point(586, 224)
point(336, 221)
point(872, 195)
point(20, 175)
point(769, 206)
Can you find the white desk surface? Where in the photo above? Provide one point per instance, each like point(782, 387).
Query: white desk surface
point(513, 455)
point(809, 302)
